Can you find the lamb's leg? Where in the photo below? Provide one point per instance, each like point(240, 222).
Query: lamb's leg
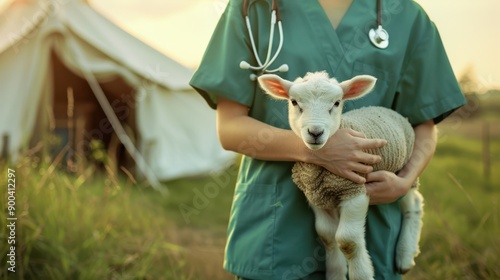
point(351, 238)
point(407, 248)
point(326, 226)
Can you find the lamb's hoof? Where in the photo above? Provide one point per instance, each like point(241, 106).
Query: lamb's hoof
point(335, 276)
point(405, 258)
point(361, 278)
point(361, 275)
point(403, 266)
point(403, 271)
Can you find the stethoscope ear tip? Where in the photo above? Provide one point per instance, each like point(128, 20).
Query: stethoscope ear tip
point(244, 65)
point(283, 68)
point(253, 77)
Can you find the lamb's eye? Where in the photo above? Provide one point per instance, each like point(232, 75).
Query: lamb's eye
point(296, 104)
point(335, 105)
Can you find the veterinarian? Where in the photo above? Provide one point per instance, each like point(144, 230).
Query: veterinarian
point(271, 231)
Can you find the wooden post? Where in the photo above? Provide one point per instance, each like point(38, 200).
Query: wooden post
point(5, 148)
point(70, 163)
point(486, 152)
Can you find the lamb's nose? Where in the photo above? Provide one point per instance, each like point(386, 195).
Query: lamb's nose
point(315, 133)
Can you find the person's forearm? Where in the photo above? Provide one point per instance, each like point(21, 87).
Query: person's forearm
point(245, 135)
point(423, 150)
point(248, 136)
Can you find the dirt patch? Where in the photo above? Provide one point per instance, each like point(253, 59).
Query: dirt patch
point(202, 250)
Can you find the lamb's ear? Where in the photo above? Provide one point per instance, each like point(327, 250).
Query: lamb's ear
point(275, 86)
point(357, 86)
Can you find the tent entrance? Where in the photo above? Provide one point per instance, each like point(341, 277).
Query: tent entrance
point(87, 123)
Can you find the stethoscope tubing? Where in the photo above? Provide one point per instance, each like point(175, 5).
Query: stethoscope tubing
point(379, 38)
point(275, 20)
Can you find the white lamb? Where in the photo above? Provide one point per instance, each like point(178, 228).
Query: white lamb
point(340, 205)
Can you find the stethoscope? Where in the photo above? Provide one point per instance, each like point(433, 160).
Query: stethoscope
point(263, 67)
point(379, 38)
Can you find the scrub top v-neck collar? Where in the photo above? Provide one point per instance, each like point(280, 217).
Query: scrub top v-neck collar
point(331, 38)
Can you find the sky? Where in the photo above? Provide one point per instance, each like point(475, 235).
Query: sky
point(181, 29)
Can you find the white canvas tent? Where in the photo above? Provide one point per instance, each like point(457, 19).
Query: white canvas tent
point(38, 38)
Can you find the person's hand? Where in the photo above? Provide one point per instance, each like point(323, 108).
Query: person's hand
point(343, 154)
point(385, 187)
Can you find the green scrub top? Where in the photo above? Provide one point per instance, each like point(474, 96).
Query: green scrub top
point(271, 232)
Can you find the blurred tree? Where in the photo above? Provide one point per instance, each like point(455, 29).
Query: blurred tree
point(471, 86)
point(469, 83)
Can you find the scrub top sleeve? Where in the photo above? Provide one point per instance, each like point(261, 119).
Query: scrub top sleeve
point(428, 88)
point(219, 74)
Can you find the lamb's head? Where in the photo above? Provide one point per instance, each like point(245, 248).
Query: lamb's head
point(315, 102)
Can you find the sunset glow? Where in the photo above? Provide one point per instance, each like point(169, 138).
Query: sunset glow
point(181, 29)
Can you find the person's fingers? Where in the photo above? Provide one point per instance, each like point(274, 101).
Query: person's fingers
point(370, 143)
point(366, 158)
point(356, 133)
point(356, 178)
point(376, 176)
point(361, 168)
point(367, 143)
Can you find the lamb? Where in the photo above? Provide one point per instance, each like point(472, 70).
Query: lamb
point(340, 205)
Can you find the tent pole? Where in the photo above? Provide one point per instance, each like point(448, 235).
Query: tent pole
point(120, 131)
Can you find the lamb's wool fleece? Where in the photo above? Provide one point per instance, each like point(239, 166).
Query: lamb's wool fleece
point(325, 189)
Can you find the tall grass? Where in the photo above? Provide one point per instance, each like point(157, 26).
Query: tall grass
point(99, 226)
point(461, 223)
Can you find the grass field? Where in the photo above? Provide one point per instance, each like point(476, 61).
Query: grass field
point(99, 226)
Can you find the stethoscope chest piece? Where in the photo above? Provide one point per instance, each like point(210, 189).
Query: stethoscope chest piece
point(379, 37)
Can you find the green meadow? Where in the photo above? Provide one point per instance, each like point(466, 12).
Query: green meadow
point(98, 225)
